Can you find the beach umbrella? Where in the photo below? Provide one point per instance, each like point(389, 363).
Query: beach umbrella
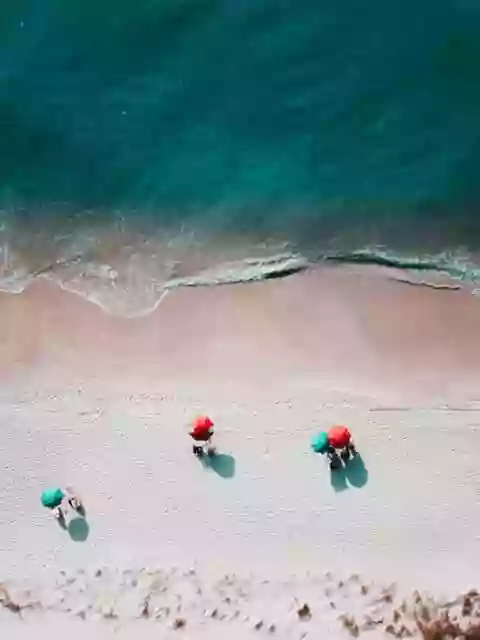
point(202, 425)
point(202, 422)
point(52, 498)
point(339, 436)
point(319, 442)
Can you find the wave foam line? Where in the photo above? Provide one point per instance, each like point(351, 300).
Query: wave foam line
point(456, 266)
point(428, 285)
point(243, 271)
point(380, 259)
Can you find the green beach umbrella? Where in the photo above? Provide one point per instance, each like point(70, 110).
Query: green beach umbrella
point(52, 498)
point(319, 442)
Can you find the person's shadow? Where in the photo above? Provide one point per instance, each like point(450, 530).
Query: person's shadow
point(338, 479)
point(222, 464)
point(81, 510)
point(78, 529)
point(356, 471)
point(353, 473)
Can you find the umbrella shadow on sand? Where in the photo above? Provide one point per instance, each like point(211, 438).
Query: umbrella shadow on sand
point(78, 529)
point(222, 464)
point(353, 474)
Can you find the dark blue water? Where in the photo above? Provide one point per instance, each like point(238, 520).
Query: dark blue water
point(310, 121)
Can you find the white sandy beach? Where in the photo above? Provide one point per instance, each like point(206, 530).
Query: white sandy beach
point(103, 404)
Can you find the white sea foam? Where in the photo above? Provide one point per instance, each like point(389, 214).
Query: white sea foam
point(129, 274)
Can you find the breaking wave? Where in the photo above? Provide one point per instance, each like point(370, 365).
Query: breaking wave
point(247, 270)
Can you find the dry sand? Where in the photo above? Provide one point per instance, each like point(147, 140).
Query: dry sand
point(103, 404)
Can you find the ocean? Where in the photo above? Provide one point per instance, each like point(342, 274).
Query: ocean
point(147, 145)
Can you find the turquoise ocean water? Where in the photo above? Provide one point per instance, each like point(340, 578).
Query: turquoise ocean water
point(147, 141)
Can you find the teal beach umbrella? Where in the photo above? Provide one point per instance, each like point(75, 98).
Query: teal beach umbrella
point(319, 442)
point(52, 498)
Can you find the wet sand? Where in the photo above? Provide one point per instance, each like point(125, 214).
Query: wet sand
point(357, 331)
point(103, 404)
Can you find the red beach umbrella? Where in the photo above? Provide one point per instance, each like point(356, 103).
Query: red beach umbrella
point(201, 427)
point(339, 436)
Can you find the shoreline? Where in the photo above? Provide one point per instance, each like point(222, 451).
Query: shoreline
point(357, 331)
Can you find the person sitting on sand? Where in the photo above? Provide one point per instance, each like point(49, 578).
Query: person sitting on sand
point(53, 499)
point(336, 444)
point(201, 433)
point(340, 440)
